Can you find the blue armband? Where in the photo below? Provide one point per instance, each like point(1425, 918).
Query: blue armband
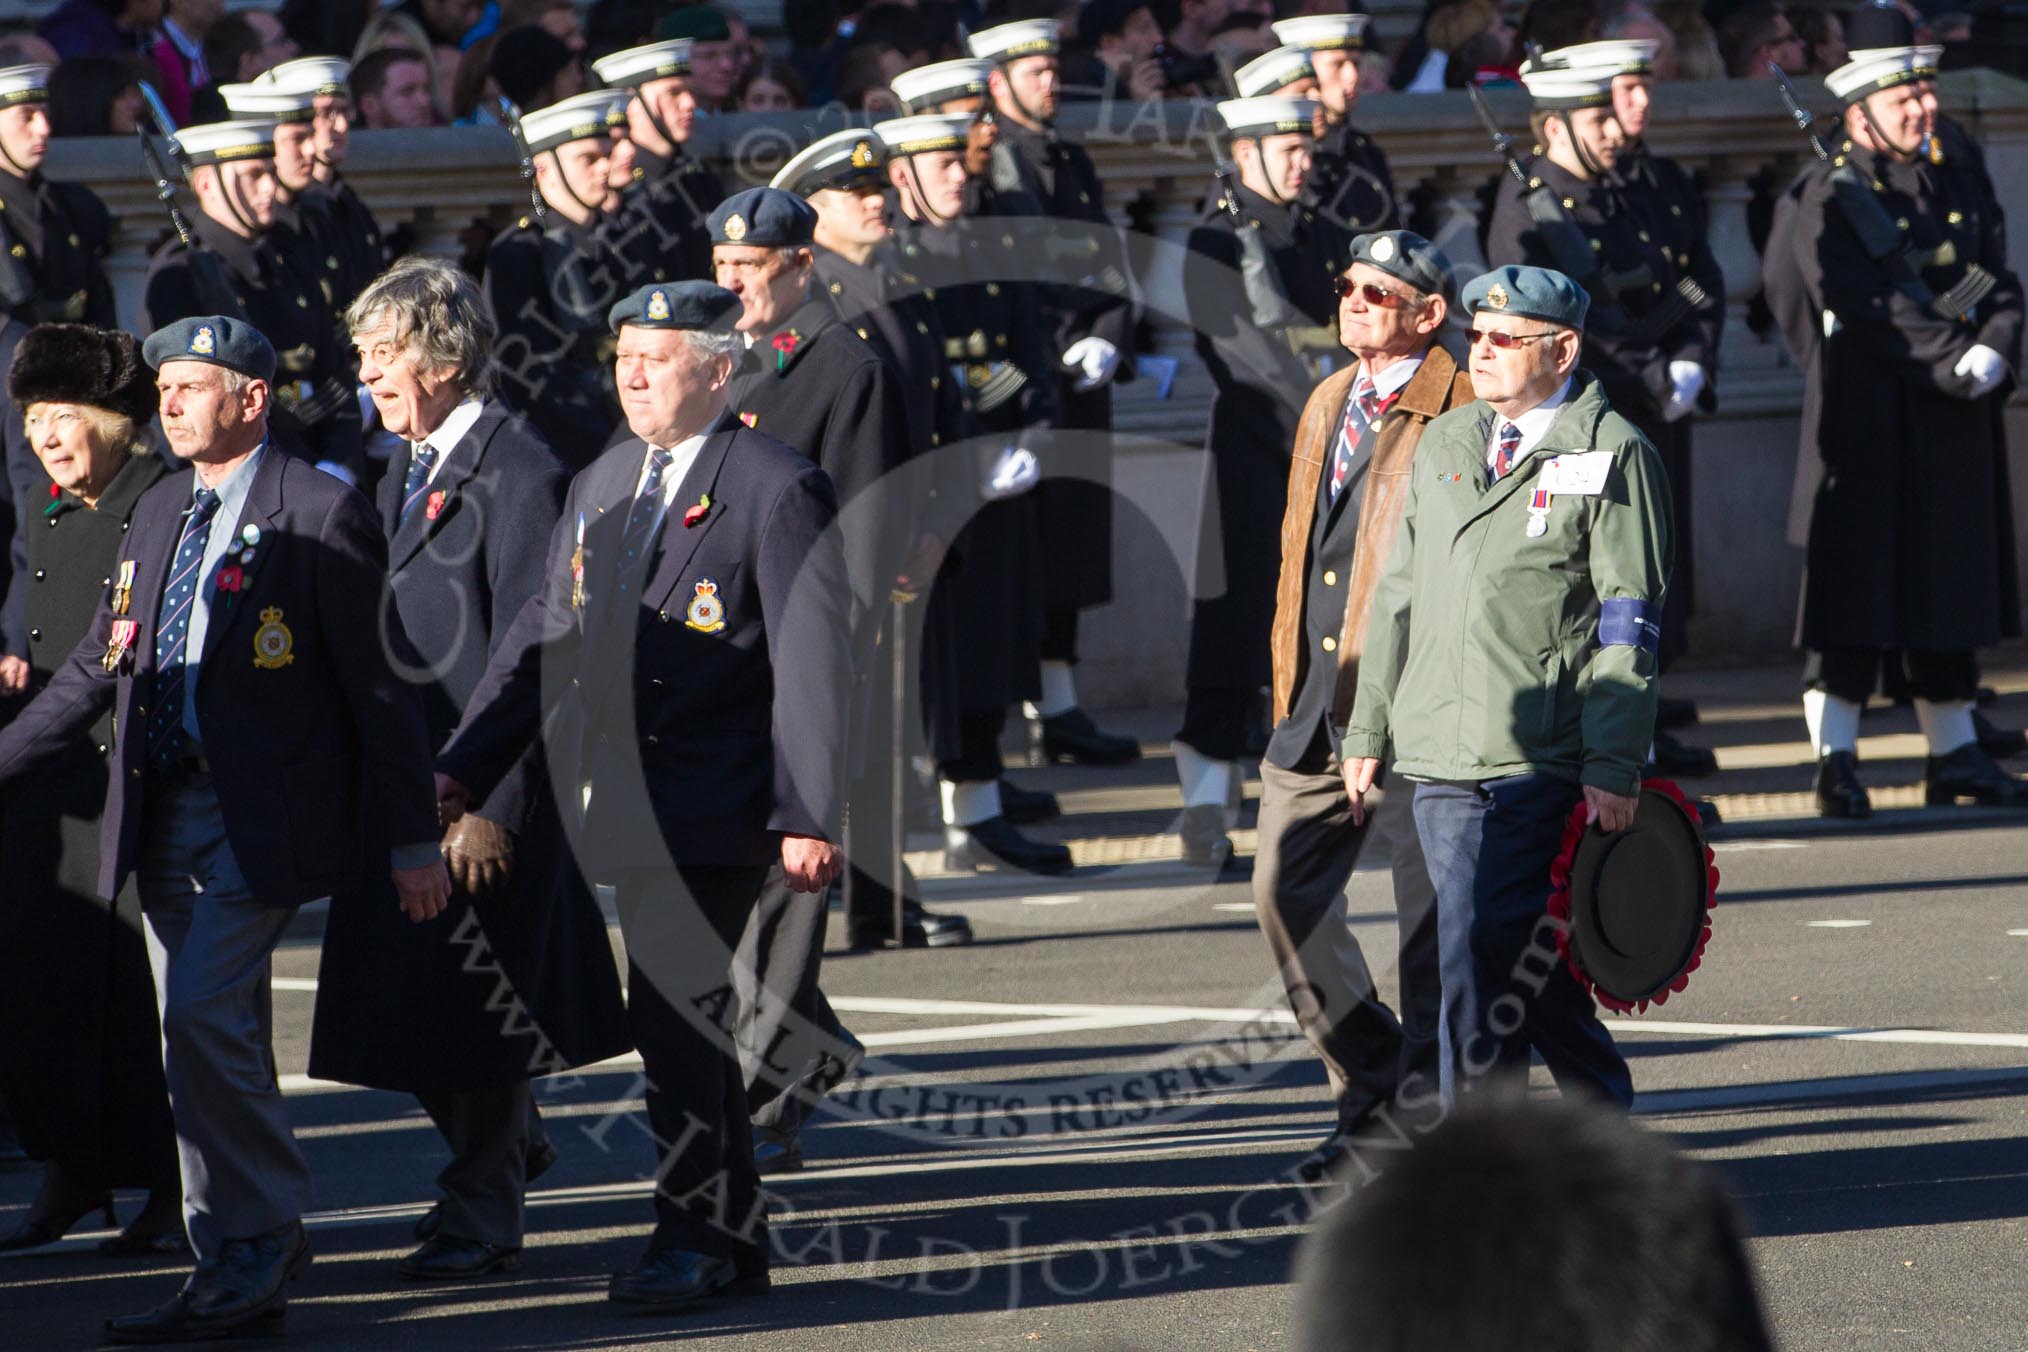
point(1630, 621)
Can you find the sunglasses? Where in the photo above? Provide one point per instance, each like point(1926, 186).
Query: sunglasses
point(1378, 296)
point(1506, 342)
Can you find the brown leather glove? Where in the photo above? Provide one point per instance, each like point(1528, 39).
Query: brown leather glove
point(480, 855)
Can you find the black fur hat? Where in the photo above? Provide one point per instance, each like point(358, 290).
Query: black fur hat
point(79, 364)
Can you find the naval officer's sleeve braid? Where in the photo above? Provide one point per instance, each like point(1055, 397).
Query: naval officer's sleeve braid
point(1630, 553)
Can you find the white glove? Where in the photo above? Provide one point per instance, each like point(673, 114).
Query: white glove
point(1985, 368)
point(1686, 382)
point(1096, 357)
point(1008, 472)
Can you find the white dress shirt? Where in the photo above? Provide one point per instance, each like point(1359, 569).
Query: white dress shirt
point(450, 432)
point(1534, 425)
point(684, 455)
point(1392, 376)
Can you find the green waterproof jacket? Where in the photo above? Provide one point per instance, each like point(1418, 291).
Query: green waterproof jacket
point(1514, 628)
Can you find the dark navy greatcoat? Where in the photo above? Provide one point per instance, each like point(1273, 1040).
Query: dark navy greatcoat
point(461, 566)
point(707, 706)
point(321, 760)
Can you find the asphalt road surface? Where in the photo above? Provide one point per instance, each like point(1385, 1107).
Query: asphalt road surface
point(1071, 1134)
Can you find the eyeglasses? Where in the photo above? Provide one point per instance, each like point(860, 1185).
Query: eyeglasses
point(1378, 296)
point(1506, 342)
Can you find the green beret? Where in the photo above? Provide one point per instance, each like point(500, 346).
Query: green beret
point(1537, 293)
point(677, 305)
point(1407, 257)
point(231, 343)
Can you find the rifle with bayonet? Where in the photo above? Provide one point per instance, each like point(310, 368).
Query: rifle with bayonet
point(1880, 236)
point(511, 115)
point(207, 274)
point(1267, 299)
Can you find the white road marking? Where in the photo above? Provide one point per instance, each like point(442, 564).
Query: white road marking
point(1234, 906)
point(2018, 934)
point(1052, 901)
point(1837, 924)
point(1747, 846)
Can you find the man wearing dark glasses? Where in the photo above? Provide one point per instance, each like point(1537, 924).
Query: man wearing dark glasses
point(1348, 480)
point(1509, 663)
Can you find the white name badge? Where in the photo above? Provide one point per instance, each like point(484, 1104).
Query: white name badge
point(1583, 474)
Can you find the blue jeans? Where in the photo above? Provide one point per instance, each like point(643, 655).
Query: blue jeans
point(1505, 990)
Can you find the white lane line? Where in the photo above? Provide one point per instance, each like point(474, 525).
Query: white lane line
point(1071, 900)
point(304, 984)
point(1748, 846)
point(1837, 924)
point(1235, 906)
point(1925, 1037)
point(2018, 934)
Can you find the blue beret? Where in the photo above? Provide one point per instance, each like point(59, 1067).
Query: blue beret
point(232, 343)
point(1407, 257)
point(677, 305)
point(767, 218)
point(1537, 293)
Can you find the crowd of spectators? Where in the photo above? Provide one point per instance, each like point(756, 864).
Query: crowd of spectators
point(437, 62)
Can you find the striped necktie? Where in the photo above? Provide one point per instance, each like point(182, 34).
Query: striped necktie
point(172, 630)
point(1510, 446)
point(422, 459)
point(1370, 410)
point(647, 514)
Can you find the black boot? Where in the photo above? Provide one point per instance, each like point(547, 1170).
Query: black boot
point(994, 843)
point(1023, 806)
point(919, 929)
point(1675, 713)
point(1072, 736)
point(1680, 758)
point(1839, 792)
point(1969, 773)
point(1205, 844)
point(1997, 741)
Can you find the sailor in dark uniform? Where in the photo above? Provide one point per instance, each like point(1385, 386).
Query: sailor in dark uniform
point(1888, 273)
point(1651, 334)
point(362, 251)
point(843, 176)
point(1350, 183)
point(664, 236)
point(1063, 235)
point(1259, 276)
point(552, 277)
point(961, 86)
point(996, 347)
point(54, 238)
point(1667, 197)
point(242, 266)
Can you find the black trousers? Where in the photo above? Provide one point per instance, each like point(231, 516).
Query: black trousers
point(490, 1132)
point(785, 1025)
point(978, 759)
point(1216, 719)
point(1059, 635)
point(681, 930)
point(1854, 673)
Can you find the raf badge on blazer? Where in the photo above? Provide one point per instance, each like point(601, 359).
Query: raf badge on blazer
point(273, 643)
point(706, 613)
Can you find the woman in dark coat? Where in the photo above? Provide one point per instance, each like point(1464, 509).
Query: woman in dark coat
point(80, 1049)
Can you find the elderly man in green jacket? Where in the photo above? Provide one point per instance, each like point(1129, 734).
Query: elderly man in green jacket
point(1510, 661)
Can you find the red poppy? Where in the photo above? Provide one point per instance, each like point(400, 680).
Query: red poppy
point(435, 506)
point(230, 578)
point(697, 511)
point(786, 342)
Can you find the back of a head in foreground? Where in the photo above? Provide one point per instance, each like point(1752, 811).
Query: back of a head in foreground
point(1520, 1227)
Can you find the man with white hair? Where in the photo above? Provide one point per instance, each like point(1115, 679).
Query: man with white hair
point(688, 657)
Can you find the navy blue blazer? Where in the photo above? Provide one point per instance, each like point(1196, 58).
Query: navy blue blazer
point(314, 756)
point(465, 562)
point(707, 711)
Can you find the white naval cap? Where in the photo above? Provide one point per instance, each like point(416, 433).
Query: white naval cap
point(267, 102)
point(1267, 116)
point(1557, 84)
point(313, 75)
point(926, 87)
point(1625, 56)
point(924, 132)
point(836, 161)
point(224, 142)
point(1011, 41)
point(1323, 32)
point(1873, 68)
point(577, 118)
point(638, 65)
point(24, 84)
point(1274, 70)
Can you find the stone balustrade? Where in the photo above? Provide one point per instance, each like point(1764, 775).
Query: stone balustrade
point(1154, 161)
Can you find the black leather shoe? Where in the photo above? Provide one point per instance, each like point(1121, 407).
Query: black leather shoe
point(174, 1322)
point(449, 1258)
point(919, 929)
point(541, 1156)
point(1970, 774)
point(1680, 758)
point(1675, 713)
point(994, 843)
point(1997, 741)
point(1707, 813)
point(672, 1277)
point(251, 1275)
point(1839, 792)
point(772, 1155)
point(1205, 844)
point(1027, 806)
point(1072, 736)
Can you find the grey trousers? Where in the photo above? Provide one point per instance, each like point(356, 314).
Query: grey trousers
point(1308, 848)
point(490, 1132)
point(784, 1026)
point(209, 940)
